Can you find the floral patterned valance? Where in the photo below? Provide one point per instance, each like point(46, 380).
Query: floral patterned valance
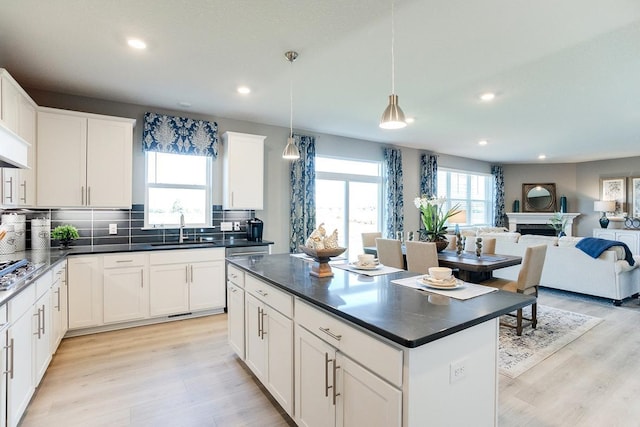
point(179, 135)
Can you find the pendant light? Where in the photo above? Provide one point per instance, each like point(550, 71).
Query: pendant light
point(393, 117)
point(290, 150)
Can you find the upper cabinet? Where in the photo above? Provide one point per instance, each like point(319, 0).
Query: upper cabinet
point(17, 144)
point(84, 160)
point(243, 171)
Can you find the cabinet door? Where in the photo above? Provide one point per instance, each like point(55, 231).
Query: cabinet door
point(4, 350)
point(278, 329)
point(85, 292)
point(243, 166)
point(206, 289)
point(27, 130)
point(235, 318)
point(364, 399)
point(168, 289)
point(255, 344)
point(604, 233)
point(61, 160)
point(125, 294)
point(109, 158)
point(10, 186)
point(631, 239)
point(313, 380)
point(41, 333)
point(56, 314)
point(10, 104)
point(20, 365)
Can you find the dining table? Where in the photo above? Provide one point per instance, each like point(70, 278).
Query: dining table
point(467, 265)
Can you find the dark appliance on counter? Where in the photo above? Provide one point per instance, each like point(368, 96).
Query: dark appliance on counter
point(254, 230)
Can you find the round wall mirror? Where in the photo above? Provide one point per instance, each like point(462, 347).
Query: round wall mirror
point(539, 197)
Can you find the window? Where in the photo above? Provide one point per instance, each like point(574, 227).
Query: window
point(348, 198)
point(474, 193)
point(177, 184)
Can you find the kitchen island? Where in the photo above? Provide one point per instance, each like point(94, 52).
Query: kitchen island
point(360, 350)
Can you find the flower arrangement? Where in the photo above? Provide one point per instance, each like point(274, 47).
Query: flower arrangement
point(434, 217)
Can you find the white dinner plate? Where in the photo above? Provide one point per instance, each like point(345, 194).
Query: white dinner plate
point(365, 267)
point(425, 282)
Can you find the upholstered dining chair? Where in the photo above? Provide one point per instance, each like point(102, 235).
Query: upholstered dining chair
point(421, 256)
point(488, 245)
point(369, 239)
point(390, 252)
point(527, 283)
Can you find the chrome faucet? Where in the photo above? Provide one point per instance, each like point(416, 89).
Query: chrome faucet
point(181, 229)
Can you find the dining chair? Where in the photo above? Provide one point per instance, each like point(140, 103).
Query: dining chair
point(527, 283)
point(421, 256)
point(488, 245)
point(390, 252)
point(369, 239)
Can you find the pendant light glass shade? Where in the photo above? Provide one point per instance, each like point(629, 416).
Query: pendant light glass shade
point(290, 150)
point(393, 117)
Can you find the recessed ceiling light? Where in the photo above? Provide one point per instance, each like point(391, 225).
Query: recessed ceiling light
point(184, 104)
point(483, 142)
point(410, 119)
point(136, 44)
point(244, 90)
point(542, 156)
point(488, 96)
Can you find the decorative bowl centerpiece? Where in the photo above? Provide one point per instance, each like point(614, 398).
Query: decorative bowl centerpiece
point(321, 257)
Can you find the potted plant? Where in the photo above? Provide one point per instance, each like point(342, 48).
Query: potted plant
point(434, 218)
point(65, 234)
point(558, 222)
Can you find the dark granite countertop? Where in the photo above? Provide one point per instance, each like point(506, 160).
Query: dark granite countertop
point(404, 315)
point(50, 257)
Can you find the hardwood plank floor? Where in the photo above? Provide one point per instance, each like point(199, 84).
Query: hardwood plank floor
point(184, 374)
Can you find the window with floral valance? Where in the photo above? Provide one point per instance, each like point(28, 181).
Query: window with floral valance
point(179, 135)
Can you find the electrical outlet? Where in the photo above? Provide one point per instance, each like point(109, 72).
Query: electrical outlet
point(457, 371)
point(236, 226)
point(226, 226)
point(113, 228)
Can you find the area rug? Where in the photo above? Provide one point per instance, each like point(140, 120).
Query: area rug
point(556, 328)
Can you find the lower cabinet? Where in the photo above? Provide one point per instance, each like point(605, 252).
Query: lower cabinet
point(85, 291)
point(126, 287)
point(269, 339)
point(629, 237)
point(42, 331)
point(333, 390)
point(58, 305)
point(235, 318)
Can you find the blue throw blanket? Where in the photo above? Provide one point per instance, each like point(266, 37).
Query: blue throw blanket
point(593, 247)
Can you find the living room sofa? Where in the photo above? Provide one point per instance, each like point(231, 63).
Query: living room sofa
point(569, 268)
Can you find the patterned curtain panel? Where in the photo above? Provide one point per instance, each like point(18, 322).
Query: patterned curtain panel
point(179, 135)
point(392, 176)
point(302, 173)
point(428, 175)
point(500, 216)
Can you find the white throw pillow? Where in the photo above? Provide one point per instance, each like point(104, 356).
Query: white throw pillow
point(568, 241)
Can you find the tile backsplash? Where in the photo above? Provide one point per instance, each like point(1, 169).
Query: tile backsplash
point(93, 225)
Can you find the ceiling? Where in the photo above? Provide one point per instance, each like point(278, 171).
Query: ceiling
point(566, 73)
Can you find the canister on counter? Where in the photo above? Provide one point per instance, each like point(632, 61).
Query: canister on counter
point(8, 239)
point(19, 222)
point(40, 233)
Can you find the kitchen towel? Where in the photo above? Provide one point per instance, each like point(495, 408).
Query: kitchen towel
point(466, 291)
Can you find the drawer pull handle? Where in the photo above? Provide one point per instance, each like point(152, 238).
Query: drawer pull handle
point(335, 369)
point(261, 292)
point(331, 334)
point(326, 375)
point(9, 349)
point(124, 260)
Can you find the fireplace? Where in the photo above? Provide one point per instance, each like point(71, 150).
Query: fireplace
point(537, 229)
point(536, 223)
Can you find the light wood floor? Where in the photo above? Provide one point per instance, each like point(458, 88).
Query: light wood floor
point(184, 374)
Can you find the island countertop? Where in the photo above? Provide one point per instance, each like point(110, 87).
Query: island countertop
point(404, 315)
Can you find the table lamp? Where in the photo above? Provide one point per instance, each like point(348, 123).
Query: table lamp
point(459, 217)
point(604, 206)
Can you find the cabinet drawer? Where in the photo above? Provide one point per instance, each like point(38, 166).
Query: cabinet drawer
point(21, 303)
point(43, 283)
point(276, 298)
point(133, 259)
point(235, 275)
point(185, 256)
point(379, 357)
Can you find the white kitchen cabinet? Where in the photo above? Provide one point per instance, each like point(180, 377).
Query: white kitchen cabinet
point(243, 171)
point(235, 310)
point(58, 305)
point(334, 390)
point(10, 187)
point(125, 287)
point(183, 281)
point(4, 348)
point(84, 160)
point(41, 327)
point(269, 339)
point(26, 188)
point(20, 384)
point(629, 237)
point(84, 275)
point(13, 147)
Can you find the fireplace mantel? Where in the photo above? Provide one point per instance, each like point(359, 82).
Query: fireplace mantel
point(539, 218)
